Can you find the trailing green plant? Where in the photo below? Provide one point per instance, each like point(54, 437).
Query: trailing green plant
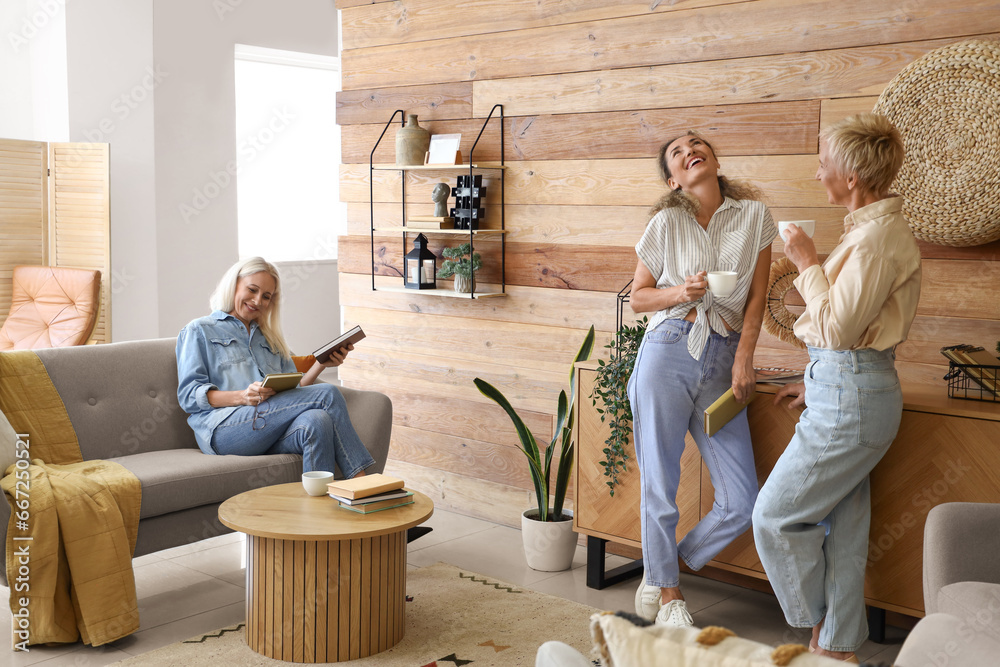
point(610, 389)
point(562, 437)
point(458, 262)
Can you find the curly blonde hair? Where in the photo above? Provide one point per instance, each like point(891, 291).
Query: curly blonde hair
point(680, 198)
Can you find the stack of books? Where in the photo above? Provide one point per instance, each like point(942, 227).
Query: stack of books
point(973, 364)
point(430, 222)
point(370, 493)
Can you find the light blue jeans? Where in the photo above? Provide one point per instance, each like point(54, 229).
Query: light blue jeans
point(669, 391)
point(811, 519)
point(311, 421)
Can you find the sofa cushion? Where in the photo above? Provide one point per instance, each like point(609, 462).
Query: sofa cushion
point(180, 479)
point(974, 602)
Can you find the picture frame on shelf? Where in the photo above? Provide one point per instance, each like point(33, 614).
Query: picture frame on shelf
point(444, 150)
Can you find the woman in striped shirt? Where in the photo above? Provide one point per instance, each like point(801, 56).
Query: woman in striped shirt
point(697, 345)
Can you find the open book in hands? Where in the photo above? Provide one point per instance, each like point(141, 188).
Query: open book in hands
point(343, 340)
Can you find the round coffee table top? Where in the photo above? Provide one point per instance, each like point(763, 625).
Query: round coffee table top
point(287, 512)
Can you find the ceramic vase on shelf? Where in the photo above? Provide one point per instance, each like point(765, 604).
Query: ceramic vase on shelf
point(412, 142)
point(463, 283)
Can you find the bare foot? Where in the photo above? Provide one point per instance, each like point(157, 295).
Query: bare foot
point(668, 594)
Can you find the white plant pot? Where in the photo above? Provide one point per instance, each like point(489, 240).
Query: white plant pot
point(463, 283)
point(549, 546)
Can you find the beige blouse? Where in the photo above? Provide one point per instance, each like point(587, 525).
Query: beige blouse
point(865, 294)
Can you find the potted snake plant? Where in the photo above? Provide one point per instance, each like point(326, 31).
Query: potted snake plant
point(547, 530)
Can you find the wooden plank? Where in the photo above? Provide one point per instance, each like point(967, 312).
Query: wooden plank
point(521, 345)
point(457, 417)
point(832, 111)
point(478, 498)
point(535, 391)
point(744, 129)
point(527, 223)
point(380, 24)
point(786, 180)
point(376, 105)
point(576, 309)
point(735, 31)
point(793, 76)
point(566, 266)
point(503, 463)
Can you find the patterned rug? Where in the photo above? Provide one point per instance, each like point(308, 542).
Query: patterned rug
point(455, 618)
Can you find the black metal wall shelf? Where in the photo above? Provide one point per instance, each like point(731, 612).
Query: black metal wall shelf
point(472, 167)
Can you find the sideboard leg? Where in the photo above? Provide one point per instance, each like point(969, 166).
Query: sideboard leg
point(596, 575)
point(876, 624)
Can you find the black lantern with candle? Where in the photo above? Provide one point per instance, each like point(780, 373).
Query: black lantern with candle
point(420, 266)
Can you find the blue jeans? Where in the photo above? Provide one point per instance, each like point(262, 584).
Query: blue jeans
point(669, 391)
point(311, 421)
point(812, 516)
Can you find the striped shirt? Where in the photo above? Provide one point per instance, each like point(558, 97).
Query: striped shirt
point(675, 246)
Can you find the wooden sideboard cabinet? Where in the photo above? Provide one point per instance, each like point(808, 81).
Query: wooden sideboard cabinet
point(946, 450)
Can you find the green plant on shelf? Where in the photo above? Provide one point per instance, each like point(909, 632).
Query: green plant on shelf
point(459, 262)
point(610, 389)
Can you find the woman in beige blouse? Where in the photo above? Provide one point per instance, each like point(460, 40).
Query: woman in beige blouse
point(812, 515)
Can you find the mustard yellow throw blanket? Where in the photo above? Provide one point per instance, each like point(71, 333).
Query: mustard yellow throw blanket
point(73, 523)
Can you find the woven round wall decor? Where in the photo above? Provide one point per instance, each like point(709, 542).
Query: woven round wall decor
point(946, 104)
point(777, 320)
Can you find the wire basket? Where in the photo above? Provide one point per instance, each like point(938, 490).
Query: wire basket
point(973, 381)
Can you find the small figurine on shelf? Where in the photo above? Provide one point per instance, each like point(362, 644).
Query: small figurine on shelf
point(458, 263)
point(440, 198)
point(440, 219)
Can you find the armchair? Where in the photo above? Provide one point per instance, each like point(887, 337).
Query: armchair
point(51, 307)
point(961, 589)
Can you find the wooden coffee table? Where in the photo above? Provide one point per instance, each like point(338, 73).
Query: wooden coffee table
point(323, 584)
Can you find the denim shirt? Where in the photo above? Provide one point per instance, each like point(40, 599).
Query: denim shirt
point(217, 352)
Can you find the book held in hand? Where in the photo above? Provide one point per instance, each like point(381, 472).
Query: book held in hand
point(343, 340)
point(364, 486)
point(725, 408)
point(281, 381)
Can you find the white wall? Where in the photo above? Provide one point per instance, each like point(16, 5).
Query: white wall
point(196, 142)
point(113, 84)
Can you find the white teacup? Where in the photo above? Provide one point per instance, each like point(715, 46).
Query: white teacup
point(722, 283)
point(808, 226)
point(314, 482)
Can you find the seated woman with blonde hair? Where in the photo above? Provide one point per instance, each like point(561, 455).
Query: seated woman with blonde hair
point(222, 359)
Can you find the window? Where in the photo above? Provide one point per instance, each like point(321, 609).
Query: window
point(288, 155)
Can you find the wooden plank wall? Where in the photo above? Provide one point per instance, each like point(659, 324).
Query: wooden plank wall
point(590, 89)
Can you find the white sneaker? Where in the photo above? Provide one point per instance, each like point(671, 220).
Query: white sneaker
point(674, 614)
point(647, 600)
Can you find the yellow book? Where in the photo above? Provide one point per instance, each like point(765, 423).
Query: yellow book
point(364, 486)
point(725, 408)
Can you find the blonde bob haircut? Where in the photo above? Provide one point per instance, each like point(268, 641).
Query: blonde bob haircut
point(224, 299)
point(868, 146)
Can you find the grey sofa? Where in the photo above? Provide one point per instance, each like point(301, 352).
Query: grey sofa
point(961, 589)
point(122, 401)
